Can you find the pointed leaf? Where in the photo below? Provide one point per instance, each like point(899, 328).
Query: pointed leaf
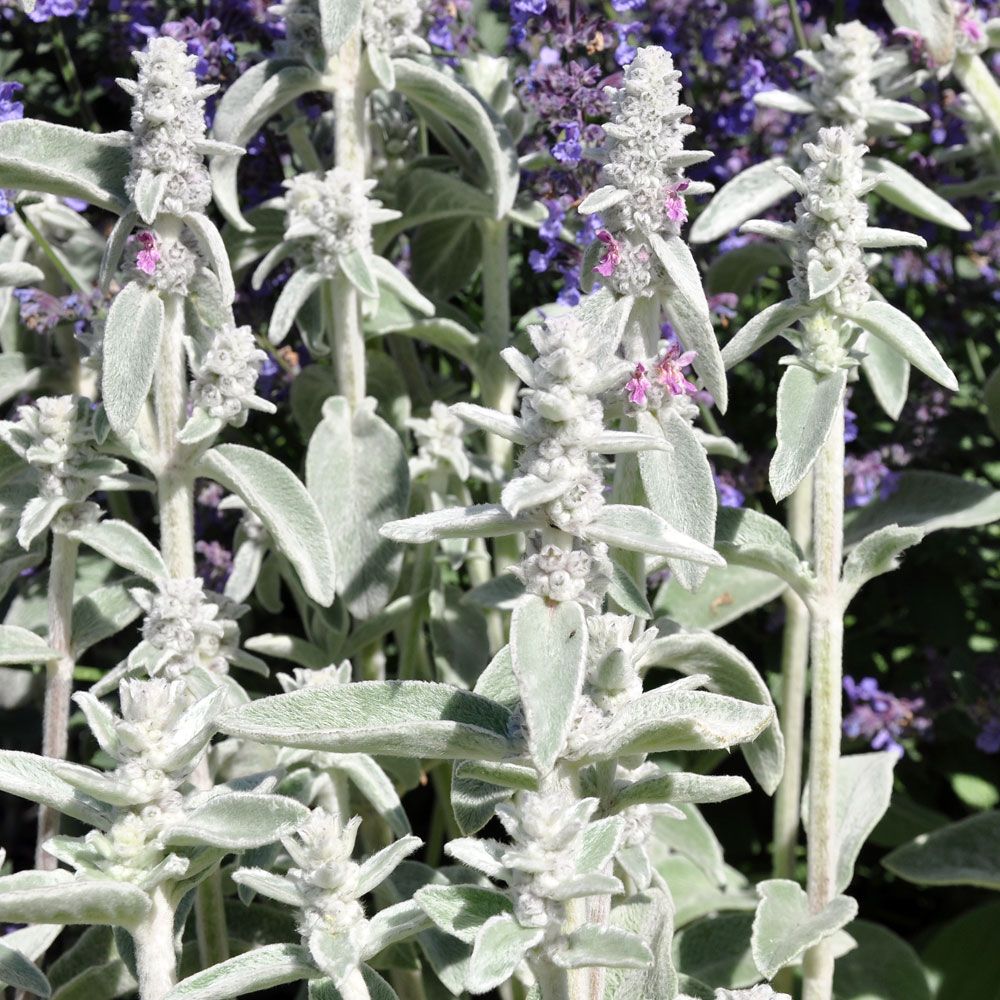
point(237, 821)
point(124, 545)
point(18, 647)
point(876, 554)
point(264, 967)
point(37, 779)
point(676, 786)
point(749, 193)
point(22, 974)
point(500, 947)
point(963, 853)
point(478, 521)
point(292, 298)
point(214, 251)
point(888, 374)
point(900, 188)
point(461, 910)
point(762, 329)
point(58, 898)
point(637, 529)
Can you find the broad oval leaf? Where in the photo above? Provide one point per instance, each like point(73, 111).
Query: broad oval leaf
point(963, 853)
point(22, 974)
point(272, 491)
point(125, 545)
point(900, 188)
point(461, 910)
point(40, 898)
point(263, 967)
point(19, 646)
point(749, 193)
point(237, 821)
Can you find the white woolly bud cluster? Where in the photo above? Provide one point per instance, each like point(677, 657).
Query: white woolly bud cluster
point(188, 627)
point(582, 575)
point(613, 658)
point(440, 443)
point(331, 216)
point(168, 266)
point(842, 90)
point(326, 878)
point(224, 379)
point(393, 26)
point(302, 677)
point(303, 30)
point(547, 833)
point(830, 222)
point(760, 992)
point(168, 119)
point(130, 851)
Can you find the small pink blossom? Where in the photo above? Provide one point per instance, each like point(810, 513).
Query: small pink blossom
point(670, 374)
point(969, 23)
point(612, 254)
point(675, 204)
point(638, 385)
point(148, 257)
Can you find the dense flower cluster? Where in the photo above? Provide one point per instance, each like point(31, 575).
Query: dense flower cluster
point(225, 377)
point(880, 718)
point(393, 26)
point(440, 444)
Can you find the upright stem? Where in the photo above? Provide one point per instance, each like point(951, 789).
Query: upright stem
point(350, 152)
point(58, 675)
point(794, 677)
point(800, 34)
point(156, 962)
point(827, 650)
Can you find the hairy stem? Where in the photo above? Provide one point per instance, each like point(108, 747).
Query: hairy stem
point(827, 673)
point(156, 962)
point(210, 922)
point(58, 676)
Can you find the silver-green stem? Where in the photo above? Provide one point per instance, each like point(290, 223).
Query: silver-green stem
point(794, 682)
point(155, 959)
point(982, 86)
point(826, 660)
point(58, 676)
point(350, 152)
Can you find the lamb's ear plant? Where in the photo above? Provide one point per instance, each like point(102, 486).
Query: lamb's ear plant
point(855, 81)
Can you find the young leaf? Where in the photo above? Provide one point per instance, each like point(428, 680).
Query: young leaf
point(275, 495)
point(500, 947)
point(888, 374)
point(296, 291)
point(356, 472)
point(124, 545)
point(602, 946)
point(762, 329)
point(237, 821)
point(461, 910)
point(337, 19)
point(900, 188)
point(751, 192)
point(132, 335)
point(876, 554)
point(261, 968)
point(376, 869)
point(548, 645)
point(637, 529)
point(676, 786)
point(58, 898)
point(395, 718)
point(22, 974)
point(784, 927)
point(807, 405)
point(18, 646)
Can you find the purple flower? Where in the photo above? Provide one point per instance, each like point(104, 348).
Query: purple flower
point(638, 385)
point(45, 10)
point(850, 426)
point(729, 493)
point(9, 108)
point(867, 477)
point(880, 718)
point(215, 564)
point(611, 257)
point(569, 149)
point(670, 371)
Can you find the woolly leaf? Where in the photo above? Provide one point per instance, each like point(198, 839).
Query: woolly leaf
point(676, 786)
point(962, 853)
point(900, 188)
point(293, 296)
point(22, 974)
point(888, 374)
point(276, 496)
point(237, 821)
point(478, 521)
point(748, 538)
point(124, 545)
point(19, 646)
point(132, 335)
point(876, 554)
point(500, 947)
point(461, 910)
point(602, 946)
point(37, 779)
point(58, 898)
point(637, 529)
point(762, 329)
point(751, 192)
point(263, 967)
point(337, 18)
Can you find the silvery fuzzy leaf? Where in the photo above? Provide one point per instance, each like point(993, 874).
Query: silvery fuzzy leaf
point(933, 20)
point(263, 967)
point(587, 884)
point(246, 105)
point(356, 472)
point(600, 840)
point(356, 267)
point(426, 196)
point(461, 910)
point(381, 67)
point(500, 947)
point(474, 799)
point(676, 786)
point(19, 646)
point(676, 718)
point(282, 251)
point(248, 561)
point(372, 782)
point(602, 199)
point(504, 425)
point(21, 973)
point(337, 19)
point(692, 838)
point(528, 491)
point(57, 897)
point(480, 855)
point(478, 521)
point(627, 442)
point(785, 927)
point(687, 309)
point(864, 788)
point(625, 592)
point(38, 514)
point(194, 729)
point(548, 645)
point(337, 956)
point(504, 775)
point(900, 188)
point(446, 335)
point(394, 718)
point(100, 720)
point(236, 821)
point(782, 100)
point(610, 947)
point(389, 276)
point(730, 673)
point(17, 273)
point(426, 87)
point(18, 373)
point(762, 329)
point(679, 487)
point(784, 231)
point(132, 335)
point(650, 916)
point(148, 195)
point(748, 538)
point(299, 287)
point(874, 555)
point(750, 193)
point(214, 251)
point(102, 613)
point(38, 779)
point(71, 163)
point(268, 884)
point(886, 322)
point(376, 869)
point(605, 316)
point(124, 545)
point(875, 238)
point(637, 529)
point(931, 501)
point(807, 407)
point(275, 495)
point(888, 374)
point(822, 280)
point(895, 112)
point(200, 428)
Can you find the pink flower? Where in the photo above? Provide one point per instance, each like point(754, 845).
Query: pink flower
point(969, 24)
point(612, 255)
point(669, 371)
point(638, 385)
point(675, 204)
point(148, 257)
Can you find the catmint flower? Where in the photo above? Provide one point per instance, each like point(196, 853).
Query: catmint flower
point(215, 563)
point(867, 477)
point(881, 718)
point(9, 111)
point(226, 375)
point(168, 120)
point(45, 10)
point(330, 217)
